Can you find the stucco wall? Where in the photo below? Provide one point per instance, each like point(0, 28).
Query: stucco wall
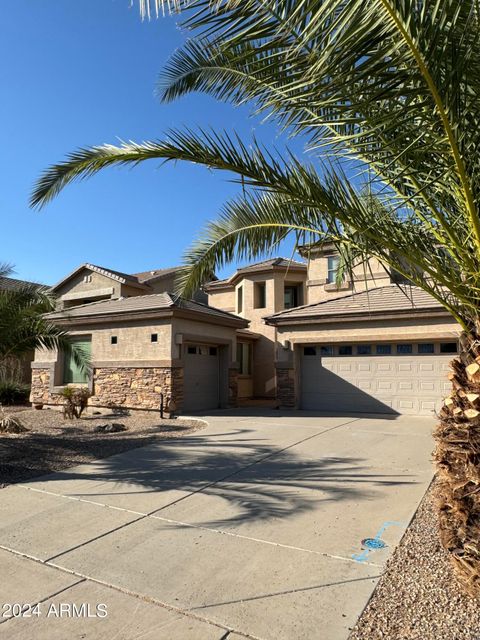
point(222, 300)
point(133, 342)
point(371, 330)
point(372, 276)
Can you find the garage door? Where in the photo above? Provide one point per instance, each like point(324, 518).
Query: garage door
point(395, 378)
point(201, 378)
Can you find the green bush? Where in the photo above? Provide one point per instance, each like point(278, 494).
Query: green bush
point(12, 392)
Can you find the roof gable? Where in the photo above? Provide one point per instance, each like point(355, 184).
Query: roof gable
point(118, 276)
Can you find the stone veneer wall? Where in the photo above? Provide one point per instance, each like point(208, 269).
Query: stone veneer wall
point(129, 387)
point(286, 387)
point(233, 387)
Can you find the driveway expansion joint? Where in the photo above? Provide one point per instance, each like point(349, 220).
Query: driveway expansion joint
point(188, 613)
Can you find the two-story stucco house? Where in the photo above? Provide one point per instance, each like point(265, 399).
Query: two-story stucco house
point(280, 329)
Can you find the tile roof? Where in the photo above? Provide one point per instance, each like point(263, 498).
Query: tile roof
point(124, 278)
point(13, 284)
point(390, 298)
point(138, 304)
point(264, 265)
point(153, 274)
point(272, 262)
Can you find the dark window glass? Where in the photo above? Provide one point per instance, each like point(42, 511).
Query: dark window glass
point(213, 351)
point(404, 348)
point(290, 297)
point(239, 299)
point(345, 350)
point(426, 347)
point(244, 358)
point(154, 337)
point(309, 351)
point(260, 297)
point(326, 350)
point(364, 349)
point(113, 340)
point(192, 350)
point(384, 349)
point(448, 347)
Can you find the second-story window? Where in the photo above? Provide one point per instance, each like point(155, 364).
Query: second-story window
point(290, 298)
point(260, 297)
point(332, 269)
point(239, 299)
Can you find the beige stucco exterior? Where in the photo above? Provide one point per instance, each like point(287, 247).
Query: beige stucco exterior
point(262, 382)
point(87, 285)
point(135, 371)
point(365, 276)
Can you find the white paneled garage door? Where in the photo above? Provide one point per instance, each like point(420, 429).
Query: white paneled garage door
point(201, 378)
point(397, 378)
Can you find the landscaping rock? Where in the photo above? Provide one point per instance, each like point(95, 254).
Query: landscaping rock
point(111, 427)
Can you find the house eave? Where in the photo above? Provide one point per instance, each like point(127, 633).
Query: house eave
point(357, 317)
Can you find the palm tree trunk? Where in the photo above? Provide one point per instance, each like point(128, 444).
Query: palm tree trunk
point(457, 456)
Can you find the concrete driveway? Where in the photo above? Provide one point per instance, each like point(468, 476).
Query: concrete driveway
point(249, 528)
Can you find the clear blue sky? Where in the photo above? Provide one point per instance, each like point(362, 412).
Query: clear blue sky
point(83, 73)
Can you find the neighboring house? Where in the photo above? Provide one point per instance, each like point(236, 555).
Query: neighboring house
point(19, 369)
point(254, 292)
point(91, 283)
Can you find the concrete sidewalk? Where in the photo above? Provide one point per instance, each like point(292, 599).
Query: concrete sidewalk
point(249, 528)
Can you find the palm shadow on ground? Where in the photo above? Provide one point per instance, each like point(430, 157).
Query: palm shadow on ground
point(255, 479)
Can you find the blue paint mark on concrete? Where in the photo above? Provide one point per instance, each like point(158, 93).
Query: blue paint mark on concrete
point(362, 557)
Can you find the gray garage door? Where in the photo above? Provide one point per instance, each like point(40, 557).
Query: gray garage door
point(393, 378)
point(201, 378)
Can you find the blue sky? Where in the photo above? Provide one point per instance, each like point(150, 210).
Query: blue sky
point(84, 73)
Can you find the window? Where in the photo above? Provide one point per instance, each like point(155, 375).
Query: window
point(345, 350)
point(384, 349)
point(154, 337)
point(290, 297)
point(193, 350)
point(332, 269)
point(448, 347)
point(212, 351)
point(87, 278)
point(326, 350)
point(113, 340)
point(239, 299)
point(244, 358)
point(426, 347)
point(403, 349)
point(260, 295)
point(71, 371)
point(364, 349)
point(309, 351)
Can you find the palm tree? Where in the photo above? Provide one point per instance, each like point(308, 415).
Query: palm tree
point(386, 96)
point(24, 327)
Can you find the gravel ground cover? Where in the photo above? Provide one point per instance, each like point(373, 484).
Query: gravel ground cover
point(418, 597)
point(53, 443)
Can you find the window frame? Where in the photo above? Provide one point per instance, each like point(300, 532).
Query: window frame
point(333, 263)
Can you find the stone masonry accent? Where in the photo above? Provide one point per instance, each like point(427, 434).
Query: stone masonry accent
point(233, 387)
point(286, 387)
point(128, 387)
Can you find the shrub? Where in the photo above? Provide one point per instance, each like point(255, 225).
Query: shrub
point(13, 392)
point(75, 401)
